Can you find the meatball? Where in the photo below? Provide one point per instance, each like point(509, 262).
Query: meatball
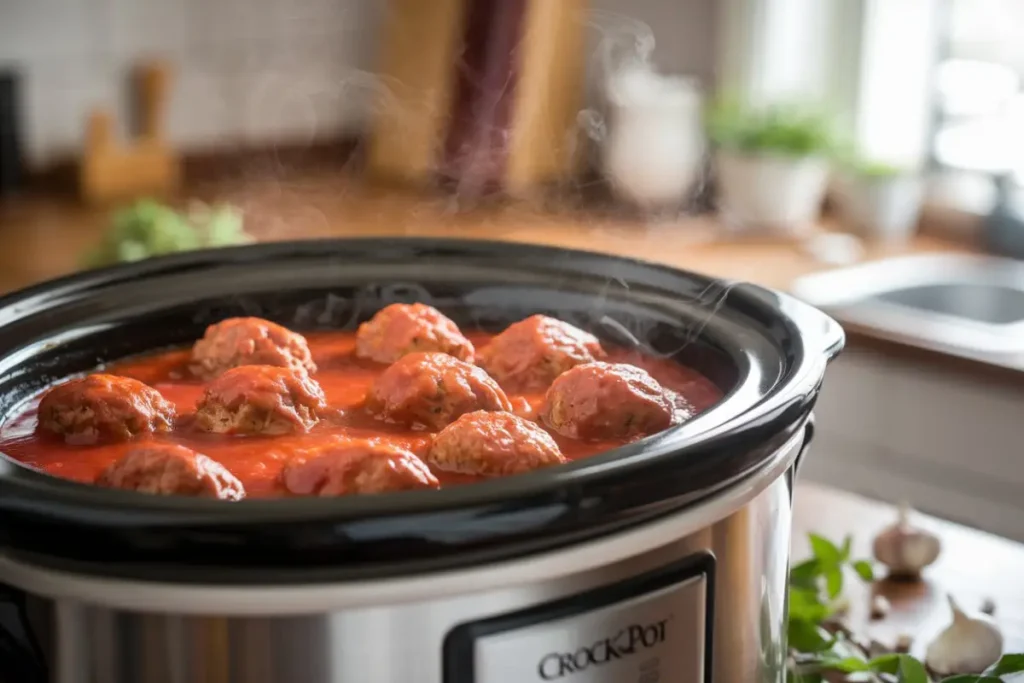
point(531, 353)
point(104, 408)
point(490, 444)
point(400, 329)
point(260, 399)
point(236, 342)
point(169, 470)
point(432, 389)
point(358, 467)
point(607, 401)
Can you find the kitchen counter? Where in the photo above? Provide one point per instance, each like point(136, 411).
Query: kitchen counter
point(973, 567)
point(43, 237)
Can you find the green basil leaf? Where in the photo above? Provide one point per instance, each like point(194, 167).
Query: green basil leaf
point(912, 671)
point(864, 570)
point(805, 574)
point(805, 605)
point(825, 550)
point(846, 665)
point(807, 636)
point(844, 554)
point(1007, 664)
point(885, 664)
point(834, 582)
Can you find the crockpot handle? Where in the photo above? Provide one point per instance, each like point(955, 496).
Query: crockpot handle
point(20, 661)
point(795, 467)
point(821, 333)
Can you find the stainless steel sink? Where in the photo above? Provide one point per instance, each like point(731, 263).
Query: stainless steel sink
point(970, 304)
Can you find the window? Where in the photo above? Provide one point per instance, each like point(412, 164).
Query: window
point(979, 80)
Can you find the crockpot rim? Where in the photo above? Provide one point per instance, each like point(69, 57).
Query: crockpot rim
point(775, 415)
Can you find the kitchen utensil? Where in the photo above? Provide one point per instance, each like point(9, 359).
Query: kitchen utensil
point(665, 559)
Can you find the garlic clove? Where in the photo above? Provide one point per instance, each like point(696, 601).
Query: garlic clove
point(904, 549)
point(969, 645)
point(879, 607)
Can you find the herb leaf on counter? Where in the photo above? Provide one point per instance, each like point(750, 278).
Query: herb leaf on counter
point(817, 647)
point(1007, 664)
point(148, 229)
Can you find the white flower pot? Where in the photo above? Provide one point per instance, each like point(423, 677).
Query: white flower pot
point(655, 144)
point(762, 192)
point(882, 209)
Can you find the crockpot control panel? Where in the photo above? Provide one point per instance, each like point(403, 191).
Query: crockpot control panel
point(654, 628)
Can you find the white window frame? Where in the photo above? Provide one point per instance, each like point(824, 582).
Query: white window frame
point(871, 61)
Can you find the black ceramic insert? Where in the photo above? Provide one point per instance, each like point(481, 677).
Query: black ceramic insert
point(766, 350)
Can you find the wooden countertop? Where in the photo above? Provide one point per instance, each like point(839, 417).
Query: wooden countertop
point(973, 566)
point(43, 237)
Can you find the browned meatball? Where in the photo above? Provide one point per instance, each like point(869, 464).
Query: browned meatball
point(400, 329)
point(491, 444)
point(171, 470)
point(607, 401)
point(432, 389)
point(531, 353)
point(260, 399)
point(236, 342)
point(103, 408)
point(358, 467)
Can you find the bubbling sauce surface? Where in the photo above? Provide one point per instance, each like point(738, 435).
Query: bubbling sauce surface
point(257, 461)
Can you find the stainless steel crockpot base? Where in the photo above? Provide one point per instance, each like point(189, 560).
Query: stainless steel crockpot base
point(685, 527)
point(297, 600)
point(405, 642)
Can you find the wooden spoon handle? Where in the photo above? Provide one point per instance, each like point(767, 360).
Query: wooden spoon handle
point(154, 82)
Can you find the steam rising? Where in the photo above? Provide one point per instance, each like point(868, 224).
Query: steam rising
point(281, 205)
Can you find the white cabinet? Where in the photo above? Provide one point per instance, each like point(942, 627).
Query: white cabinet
point(948, 442)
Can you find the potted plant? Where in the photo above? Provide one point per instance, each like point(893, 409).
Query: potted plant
point(772, 165)
point(880, 201)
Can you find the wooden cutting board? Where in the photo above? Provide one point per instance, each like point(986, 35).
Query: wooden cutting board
point(479, 94)
point(146, 166)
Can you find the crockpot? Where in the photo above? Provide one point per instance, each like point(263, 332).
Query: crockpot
point(661, 561)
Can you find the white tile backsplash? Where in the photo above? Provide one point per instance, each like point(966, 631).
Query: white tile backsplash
point(249, 71)
point(46, 29)
point(244, 70)
point(146, 27)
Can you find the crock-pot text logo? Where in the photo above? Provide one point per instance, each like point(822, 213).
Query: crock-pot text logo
point(630, 640)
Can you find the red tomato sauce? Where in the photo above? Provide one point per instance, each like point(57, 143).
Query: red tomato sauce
point(257, 461)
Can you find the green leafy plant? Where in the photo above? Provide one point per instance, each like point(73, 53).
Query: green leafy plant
point(148, 228)
point(815, 597)
point(780, 129)
point(877, 169)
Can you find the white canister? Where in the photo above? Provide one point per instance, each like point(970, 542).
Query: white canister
point(769, 192)
point(883, 208)
point(654, 146)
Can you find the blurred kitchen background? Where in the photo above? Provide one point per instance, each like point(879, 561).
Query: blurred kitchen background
point(867, 155)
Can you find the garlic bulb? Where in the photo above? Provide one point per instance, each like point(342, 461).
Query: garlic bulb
point(968, 646)
point(905, 549)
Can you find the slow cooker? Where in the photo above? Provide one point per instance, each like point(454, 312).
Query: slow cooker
point(663, 560)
